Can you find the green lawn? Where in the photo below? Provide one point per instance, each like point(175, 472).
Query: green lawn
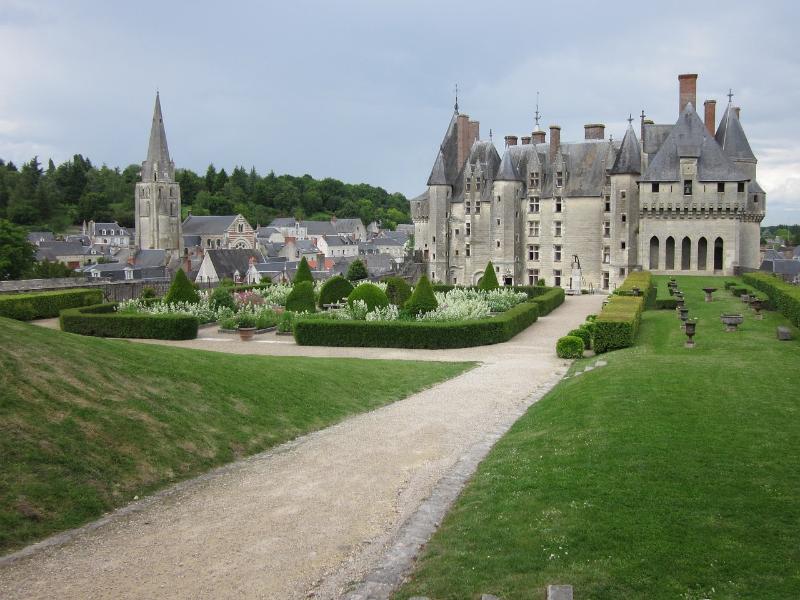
point(86, 424)
point(670, 473)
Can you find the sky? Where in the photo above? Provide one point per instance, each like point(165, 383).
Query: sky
point(363, 90)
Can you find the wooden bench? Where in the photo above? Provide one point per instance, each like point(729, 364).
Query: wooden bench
point(784, 333)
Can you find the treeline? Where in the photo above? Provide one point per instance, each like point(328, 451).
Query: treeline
point(57, 197)
point(788, 233)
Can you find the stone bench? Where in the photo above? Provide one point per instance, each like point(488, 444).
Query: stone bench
point(784, 333)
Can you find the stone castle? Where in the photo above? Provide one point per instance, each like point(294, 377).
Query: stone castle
point(677, 198)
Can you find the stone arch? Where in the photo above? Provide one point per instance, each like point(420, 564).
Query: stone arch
point(719, 248)
point(654, 250)
point(669, 247)
point(702, 254)
point(686, 254)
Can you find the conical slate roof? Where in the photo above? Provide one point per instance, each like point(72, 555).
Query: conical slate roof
point(157, 150)
point(508, 169)
point(629, 157)
point(689, 138)
point(445, 168)
point(731, 137)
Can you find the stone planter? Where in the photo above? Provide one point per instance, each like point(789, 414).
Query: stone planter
point(709, 291)
point(731, 322)
point(683, 315)
point(246, 333)
point(690, 327)
point(757, 304)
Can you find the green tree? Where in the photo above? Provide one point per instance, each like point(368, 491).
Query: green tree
point(49, 270)
point(181, 290)
point(357, 271)
point(301, 298)
point(489, 280)
point(17, 255)
point(422, 299)
point(23, 206)
point(303, 272)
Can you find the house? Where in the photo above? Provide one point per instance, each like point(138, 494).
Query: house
point(107, 234)
point(123, 272)
point(218, 232)
point(297, 249)
point(313, 230)
point(37, 237)
point(338, 245)
point(72, 254)
point(224, 263)
point(383, 245)
point(269, 235)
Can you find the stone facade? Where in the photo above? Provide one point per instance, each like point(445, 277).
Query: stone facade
point(677, 193)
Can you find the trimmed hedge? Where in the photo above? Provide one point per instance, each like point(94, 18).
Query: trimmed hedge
point(644, 281)
point(336, 289)
point(181, 290)
point(569, 346)
point(617, 324)
point(489, 280)
point(548, 300)
point(397, 290)
point(301, 298)
point(783, 296)
point(102, 320)
point(422, 299)
point(584, 335)
point(666, 303)
point(416, 334)
point(46, 305)
point(303, 272)
point(371, 294)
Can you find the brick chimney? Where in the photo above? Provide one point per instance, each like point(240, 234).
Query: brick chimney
point(594, 131)
point(511, 140)
point(466, 132)
point(526, 140)
point(555, 141)
point(132, 260)
point(688, 91)
point(538, 137)
point(710, 107)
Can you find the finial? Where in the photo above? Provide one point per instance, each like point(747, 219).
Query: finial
point(490, 134)
point(642, 116)
point(730, 95)
point(456, 105)
point(537, 111)
point(630, 119)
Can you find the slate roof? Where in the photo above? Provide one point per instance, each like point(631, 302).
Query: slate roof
point(690, 138)
point(318, 227)
point(772, 254)
point(347, 225)
point(190, 241)
point(339, 240)
point(508, 169)
point(796, 253)
point(629, 158)
point(446, 168)
point(157, 150)
point(54, 250)
point(731, 137)
point(654, 136)
point(483, 158)
point(207, 225)
point(150, 258)
point(784, 266)
point(283, 222)
point(226, 262)
point(35, 237)
point(265, 232)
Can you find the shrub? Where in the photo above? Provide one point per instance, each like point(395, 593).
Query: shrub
point(46, 305)
point(303, 272)
point(334, 290)
point(245, 320)
point(548, 301)
point(372, 295)
point(783, 296)
point(148, 293)
point(666, 303)
point(489, 279)
point(422, 299)
point(738, 291)
point(357, 271)
point(416, 334)
point(397, 290)
point(301, 298)
point(644, 281)
point(181, 290)
point(103, 320)
point(286, 322)
point(569, 346)
point(618, 323)
point(266, 319)
point(730, 284)
point(583, 334)
point(222, 298)
point(541, 283)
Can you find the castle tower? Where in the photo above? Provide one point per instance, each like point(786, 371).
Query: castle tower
point(158, 196)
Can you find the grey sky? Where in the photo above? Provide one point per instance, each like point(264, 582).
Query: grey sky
point(363, 91)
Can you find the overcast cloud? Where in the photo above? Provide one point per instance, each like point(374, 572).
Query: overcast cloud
point(363, 91)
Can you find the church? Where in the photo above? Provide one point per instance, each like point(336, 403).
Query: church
point(679, 197)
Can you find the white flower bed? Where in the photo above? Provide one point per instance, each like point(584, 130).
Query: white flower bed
point(461, 304)
point(202, 310)
point(275, 294)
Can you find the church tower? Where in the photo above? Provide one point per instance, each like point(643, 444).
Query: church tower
point(158, 196)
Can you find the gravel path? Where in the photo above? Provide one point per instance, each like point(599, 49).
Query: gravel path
point(316, 516)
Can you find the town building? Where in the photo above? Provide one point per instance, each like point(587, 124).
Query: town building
point(111, 234)
point(675, 198)
point(218, 232)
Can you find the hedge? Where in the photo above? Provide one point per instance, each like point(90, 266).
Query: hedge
point(102, 320)
point(397, 290)
point(583, 334)
point(336, 289)
point(644, 281)
point(417, 334)
point(617, 323)
point(783, 296)
point(46, 305)
point(422, 299)
point(301, 298)
point(569, 346)
point(370, 294)
point(666, 303)
point(548, 300)
point(181, 290)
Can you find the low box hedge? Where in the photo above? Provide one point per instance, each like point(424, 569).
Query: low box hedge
point(666, 303)
point(45, 305)
point(103, 320)
point(548, 300)
point(644, 281)
point(783, 296)
point(569, 346)
point(417, 334)
point(617, 324)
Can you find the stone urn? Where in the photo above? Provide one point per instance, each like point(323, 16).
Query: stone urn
point(636, 291)
point(709, 291)
point(731, 321)
point(690, 327)
point(757, 304)
point(246, 333)
point(683, 315)
point(679, 302)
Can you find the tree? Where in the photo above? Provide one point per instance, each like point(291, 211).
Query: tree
point(181, 290)
point(303, 272)
point(422, 300)
point(370, 294)
point(489, 280)
point(50, 270)
point(357, 271)
point(301, 298)
point(336, 289)
point(17, 255)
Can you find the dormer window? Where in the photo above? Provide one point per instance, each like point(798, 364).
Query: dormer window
point(559, 178)
point(740, 187)
point(721, 187)
point(534, 180)
point(687, 187)
point(654, 188)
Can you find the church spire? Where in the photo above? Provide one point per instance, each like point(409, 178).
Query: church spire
point(158, 166)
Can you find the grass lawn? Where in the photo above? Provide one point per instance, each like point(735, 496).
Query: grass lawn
point(86, 424)
point(669, 473)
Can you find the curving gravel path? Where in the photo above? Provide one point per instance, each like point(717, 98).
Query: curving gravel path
point(338, 511)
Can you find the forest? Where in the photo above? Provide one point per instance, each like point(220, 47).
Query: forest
point(55, 198)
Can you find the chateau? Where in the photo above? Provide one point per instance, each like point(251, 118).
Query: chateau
point(679, 197)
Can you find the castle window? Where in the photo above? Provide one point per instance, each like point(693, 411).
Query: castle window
point(687, 187)
point(721, 187)
point(466, 250)
point(622, 272)
point(497, 243)
point(434, 239)
point(557, 228)
point(171, 192)
point(533, 276)
point(558, 204)
point(654, 188)
point(755, 198)
point(534, 180)
point(477, 206)
point(556, 253)
point(623, 217)
point(468, 227)
point(607, 207)
point(533, 252)
point(606, 228)
point(457, 231)
point(606, 255)
point(498, 199)
point(498, 222)
point(456, 252)
point(559, 178)
point(533, 228)
point(467, 206)
point(557, 277)
point(622, 194)
point(605, 280)
point(533, 205)
point(241, 227)
point(497, 269)
point(622, 245)
point(477, 185)
point(740, 187)
point(467, 184)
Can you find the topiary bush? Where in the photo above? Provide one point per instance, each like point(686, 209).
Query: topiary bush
point(583, 334)
point(303, 272)
point(569, 346)
point(181, 290)
point(489, 280)
point(371, 294)
point(422, 299)
point(357, 271)
point(397, 290)
point(301, 298)
point(335, 290)
point(222, 298)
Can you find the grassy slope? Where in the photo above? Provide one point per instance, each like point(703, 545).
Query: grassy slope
point(669, 473)
point(86, 424)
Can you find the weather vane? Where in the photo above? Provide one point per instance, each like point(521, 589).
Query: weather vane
point(456, 105)
point(537, 111)
point(630, 118)
point(730, 95)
